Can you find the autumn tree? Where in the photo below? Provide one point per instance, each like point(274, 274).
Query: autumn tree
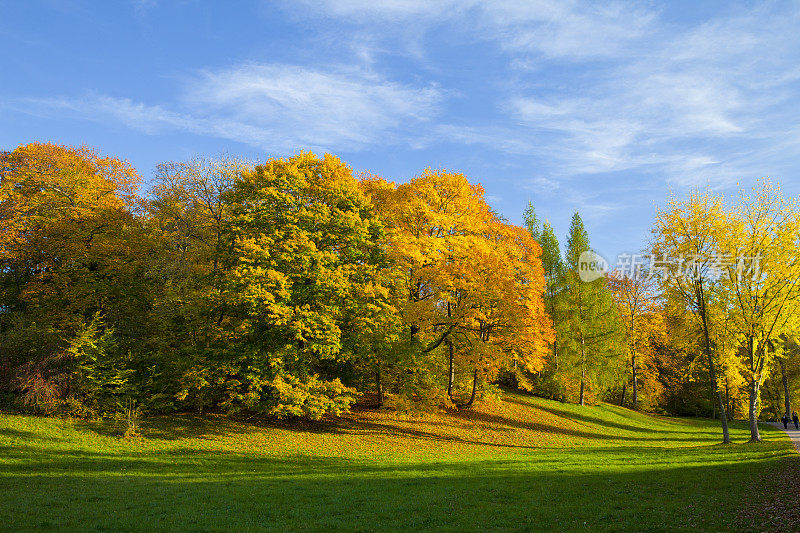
point(781, 381)
point(788, 362)
point(757, 253)
point(305, 245)
point(189, 210)
point(686, 232)
point(634, 294)
point(471, 283)
point(398, 365)
point(595, 339)
point(432, 222)
point(70, 250)
point(508, 310)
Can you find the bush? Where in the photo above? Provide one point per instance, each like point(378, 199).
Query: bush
point(310, 398)
point(99, 378)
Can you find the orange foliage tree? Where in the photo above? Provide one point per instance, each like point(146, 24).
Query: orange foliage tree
point(636, 299)
point(471, 284)
point(68, 255)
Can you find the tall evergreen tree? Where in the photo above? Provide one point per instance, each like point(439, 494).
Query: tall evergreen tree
point(554, 272)
point(532, 221)
point(551, 381)
point(593, 346)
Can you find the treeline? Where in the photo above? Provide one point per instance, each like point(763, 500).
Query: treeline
point(296, 289)
point(290, 288)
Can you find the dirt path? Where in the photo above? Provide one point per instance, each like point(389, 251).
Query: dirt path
point(793, 433)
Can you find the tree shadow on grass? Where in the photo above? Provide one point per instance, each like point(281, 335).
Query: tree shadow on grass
point(17, 433)
point(173, 427)
point(33, 460)
point(595, 420)
point(649, 433)
point(211, 491)
point(25, 435)
point(393, 430)
point(464, 426)
point(497, 423)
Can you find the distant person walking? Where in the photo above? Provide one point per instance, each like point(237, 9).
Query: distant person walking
point(785, 420)
point(795, 420)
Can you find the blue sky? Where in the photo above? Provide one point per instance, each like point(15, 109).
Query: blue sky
point(601, 107)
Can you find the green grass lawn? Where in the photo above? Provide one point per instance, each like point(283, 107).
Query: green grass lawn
point(519, 464)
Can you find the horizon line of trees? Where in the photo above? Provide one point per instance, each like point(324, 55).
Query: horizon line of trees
point(294, 288)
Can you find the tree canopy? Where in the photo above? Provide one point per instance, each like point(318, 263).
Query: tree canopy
point(295, 289)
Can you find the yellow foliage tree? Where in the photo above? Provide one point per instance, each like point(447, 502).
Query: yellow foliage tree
point(635, 296)
point(757, 257)
point(685, 242)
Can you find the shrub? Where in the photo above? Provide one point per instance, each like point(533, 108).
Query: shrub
point(310, 398)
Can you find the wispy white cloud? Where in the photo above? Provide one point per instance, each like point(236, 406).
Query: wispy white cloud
point(322, 108)
point(142, 7)
point(390, 10)
point(273, 107)
point(554, 28)
point(607, 87)
point(146, 118)
point(566, 28)
point(542, 185)
point(683, 104)
point(500, 138)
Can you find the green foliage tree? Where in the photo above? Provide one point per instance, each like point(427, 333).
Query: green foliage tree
point(189, 210)
point(305, 250)
point(100, 377)
point(593, 348)
point(550, 381)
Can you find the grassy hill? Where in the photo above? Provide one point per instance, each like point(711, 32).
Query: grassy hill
point(522, 463)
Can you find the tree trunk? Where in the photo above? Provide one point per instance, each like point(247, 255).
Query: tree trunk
point(635, 382)
point(723, 415)
point(622, 397)
point(712, 374)
point(728, 397)
point(379, 384)
point(451, 374)
point(754, 435)
point(474, 388)
point(583, 369)
point(757, 358)
point(555, 351)
point(786, 397)
point(451, 371)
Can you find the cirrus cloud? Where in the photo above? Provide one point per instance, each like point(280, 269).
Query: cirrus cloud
point(275, 107)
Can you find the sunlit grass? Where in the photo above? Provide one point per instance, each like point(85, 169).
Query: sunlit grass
point(520, 464)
